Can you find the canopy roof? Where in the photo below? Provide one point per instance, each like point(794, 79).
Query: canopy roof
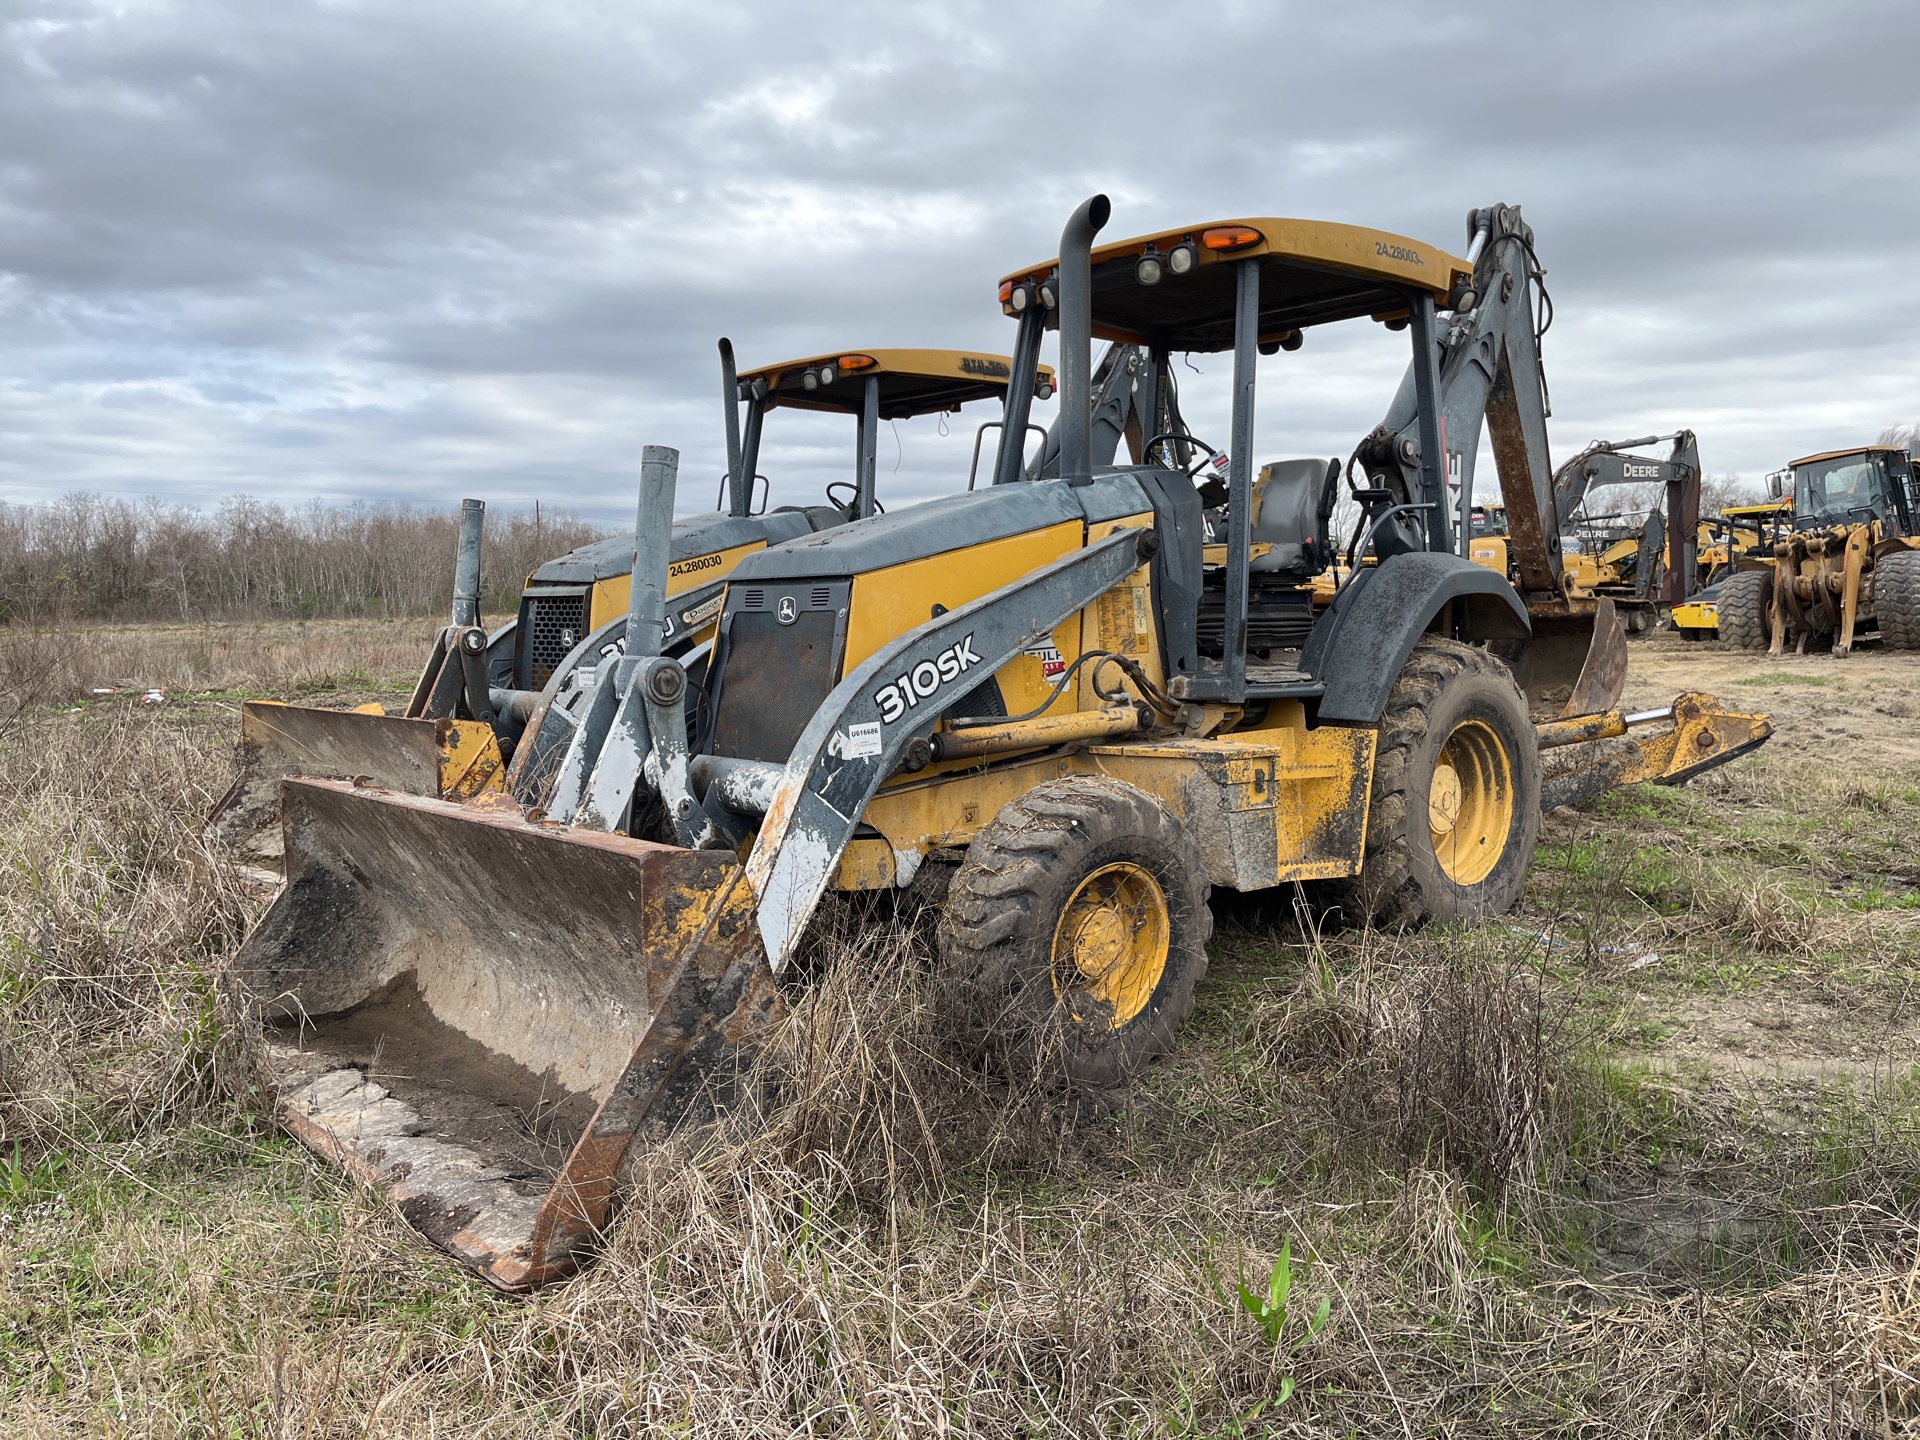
point(912, 382)
point(1312, 272)
point(1842, 454)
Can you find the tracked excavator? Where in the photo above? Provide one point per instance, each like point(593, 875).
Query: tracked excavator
point(1081, 701)
point(1641, 561)
point(480, 688)
point(1653, 558)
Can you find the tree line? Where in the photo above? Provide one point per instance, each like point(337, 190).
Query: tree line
point(89, 557)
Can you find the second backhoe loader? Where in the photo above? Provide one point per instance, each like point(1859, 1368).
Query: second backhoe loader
point(1086, 700)
point(480, 687)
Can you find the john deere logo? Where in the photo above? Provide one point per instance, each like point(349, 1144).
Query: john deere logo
point(972, 365)
point(788, 612)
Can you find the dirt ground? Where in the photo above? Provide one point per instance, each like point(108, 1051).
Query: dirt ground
point(1848, 731)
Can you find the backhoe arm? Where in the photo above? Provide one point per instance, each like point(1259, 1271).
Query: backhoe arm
point(1489, 372)
point(1605, 462)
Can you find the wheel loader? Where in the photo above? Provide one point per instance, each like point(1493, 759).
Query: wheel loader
point(1845, 565)
point(1082, 701)
point(479, 688)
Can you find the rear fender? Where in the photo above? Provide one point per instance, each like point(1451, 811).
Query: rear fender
point(1359, 645)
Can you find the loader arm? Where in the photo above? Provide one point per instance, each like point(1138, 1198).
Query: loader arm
point(861, 733)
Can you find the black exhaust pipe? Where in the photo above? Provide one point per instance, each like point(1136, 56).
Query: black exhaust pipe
point(1076, 339)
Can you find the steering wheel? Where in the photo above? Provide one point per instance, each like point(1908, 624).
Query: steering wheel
point(1207, 451)
point(848, 504)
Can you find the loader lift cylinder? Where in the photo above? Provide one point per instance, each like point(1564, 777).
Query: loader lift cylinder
point(652, 536)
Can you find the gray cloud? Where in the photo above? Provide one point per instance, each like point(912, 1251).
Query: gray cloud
point(415, 252)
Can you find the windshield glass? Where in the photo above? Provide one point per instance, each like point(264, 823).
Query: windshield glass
point(1847, 487)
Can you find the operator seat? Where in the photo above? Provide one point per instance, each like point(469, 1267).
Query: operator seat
point(1292, 509)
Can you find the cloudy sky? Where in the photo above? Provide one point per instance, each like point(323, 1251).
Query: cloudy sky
point(422, 250)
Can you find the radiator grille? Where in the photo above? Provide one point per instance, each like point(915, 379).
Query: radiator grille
point(553, 622)
point(780, 657)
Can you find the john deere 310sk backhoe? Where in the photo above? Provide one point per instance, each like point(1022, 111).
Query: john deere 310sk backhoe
point(1089, 699)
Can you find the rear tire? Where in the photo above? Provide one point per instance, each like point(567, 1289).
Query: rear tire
point(1896, 599)
point(1746, 610)
point(1455, 808)
point(1076, 931)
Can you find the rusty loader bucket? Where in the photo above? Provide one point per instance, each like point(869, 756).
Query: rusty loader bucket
point(443, 757)
point(482, 1013)
point(445, 745)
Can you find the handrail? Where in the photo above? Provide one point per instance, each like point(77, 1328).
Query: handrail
point(973, 470)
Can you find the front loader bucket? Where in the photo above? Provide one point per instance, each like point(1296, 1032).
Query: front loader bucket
point(453, 759)
point(481, 1012)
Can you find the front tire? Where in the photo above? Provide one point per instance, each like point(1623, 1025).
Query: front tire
point(1455, 808)
point(1746, 610)
point(1896, 599)
point(1078, 928)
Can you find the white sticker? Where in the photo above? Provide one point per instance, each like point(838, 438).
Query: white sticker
point(860, 741)
point(1051, 663)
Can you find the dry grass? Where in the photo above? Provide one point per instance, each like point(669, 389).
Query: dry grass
point(1517, 1232)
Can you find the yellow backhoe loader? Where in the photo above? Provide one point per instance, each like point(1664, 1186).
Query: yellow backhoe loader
point(1846, 564)
point(1089, 699)
point(479, 688)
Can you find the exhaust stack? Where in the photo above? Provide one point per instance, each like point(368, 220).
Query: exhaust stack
point(739, 487)
point(1076, 338)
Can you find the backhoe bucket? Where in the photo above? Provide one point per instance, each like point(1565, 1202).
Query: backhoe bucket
point(1574, 663)
point(449, 759)
point(482, 1012)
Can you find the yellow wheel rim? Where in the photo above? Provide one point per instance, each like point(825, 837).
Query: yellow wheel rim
point(1112, 941)
point(1470, 803)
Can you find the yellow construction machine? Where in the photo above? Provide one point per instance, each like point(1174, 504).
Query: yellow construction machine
point(1083, 700)
point(1641, 560)
point(1740, 537)
point(479, 688)
point(1844, 566)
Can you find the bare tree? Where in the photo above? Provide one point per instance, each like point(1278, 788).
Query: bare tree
point(86, 557)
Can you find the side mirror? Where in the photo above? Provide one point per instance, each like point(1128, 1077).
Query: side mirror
point(1776, 485)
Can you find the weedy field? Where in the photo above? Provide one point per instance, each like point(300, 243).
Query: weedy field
point(1641, 1158)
